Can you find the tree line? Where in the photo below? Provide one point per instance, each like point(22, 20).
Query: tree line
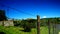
point(27, 24)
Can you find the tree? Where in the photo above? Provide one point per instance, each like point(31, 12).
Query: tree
point(28, 24)
point(2, 15)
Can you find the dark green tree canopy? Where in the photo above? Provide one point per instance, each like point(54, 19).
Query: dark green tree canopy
point(2, 15)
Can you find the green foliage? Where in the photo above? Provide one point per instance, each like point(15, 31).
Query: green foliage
point(45, 22)
point(26, 26)
point(9, 30)
point(16, 23)
point(2, 15)
point(24, 23)
point(33, 22)
point(17, 30)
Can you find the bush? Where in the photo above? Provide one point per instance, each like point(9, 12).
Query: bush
point(2, 33)
point(27, 27)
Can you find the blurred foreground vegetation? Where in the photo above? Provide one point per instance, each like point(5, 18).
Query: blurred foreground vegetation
point(17, 30)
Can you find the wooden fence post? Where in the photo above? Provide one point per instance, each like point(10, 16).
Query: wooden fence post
point(38, 24)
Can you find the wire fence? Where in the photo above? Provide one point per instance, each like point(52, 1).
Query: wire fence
point(50, 29)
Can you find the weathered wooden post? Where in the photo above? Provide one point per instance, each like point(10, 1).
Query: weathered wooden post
point(38, 24)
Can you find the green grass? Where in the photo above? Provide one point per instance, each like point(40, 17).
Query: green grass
point(17, 30)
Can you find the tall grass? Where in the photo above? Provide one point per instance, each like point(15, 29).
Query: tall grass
point(18, 30)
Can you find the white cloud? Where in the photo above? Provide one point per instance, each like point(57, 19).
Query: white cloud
point(44, 16)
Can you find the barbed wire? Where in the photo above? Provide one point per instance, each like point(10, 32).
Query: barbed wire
point(16, 9)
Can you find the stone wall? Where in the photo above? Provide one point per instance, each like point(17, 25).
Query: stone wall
point(1, 23)
point(7, 23)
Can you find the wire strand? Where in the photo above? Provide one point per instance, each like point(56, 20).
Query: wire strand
point(16, 10)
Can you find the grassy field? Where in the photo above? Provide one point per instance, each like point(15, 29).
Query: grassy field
point(17, 30)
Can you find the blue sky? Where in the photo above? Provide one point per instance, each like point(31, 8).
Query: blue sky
point(44, 8)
